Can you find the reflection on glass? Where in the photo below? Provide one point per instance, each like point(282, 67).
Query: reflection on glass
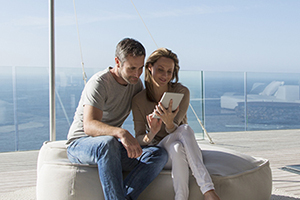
point(272, 101)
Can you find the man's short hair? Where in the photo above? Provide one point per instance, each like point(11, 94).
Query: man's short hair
point(129, 47)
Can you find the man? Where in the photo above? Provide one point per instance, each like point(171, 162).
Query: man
point(96, 136)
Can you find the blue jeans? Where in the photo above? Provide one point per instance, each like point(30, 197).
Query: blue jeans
point(111, 157)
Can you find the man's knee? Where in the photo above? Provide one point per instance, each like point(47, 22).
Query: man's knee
point(107, 140)
point(159, 153)
point(162, 153)
point(107, 145)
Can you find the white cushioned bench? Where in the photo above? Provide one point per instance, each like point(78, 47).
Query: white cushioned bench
point(236, 176)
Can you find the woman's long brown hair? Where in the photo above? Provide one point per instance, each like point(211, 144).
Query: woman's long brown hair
point(157, 54)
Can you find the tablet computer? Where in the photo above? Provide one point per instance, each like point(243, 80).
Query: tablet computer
point(167, 96)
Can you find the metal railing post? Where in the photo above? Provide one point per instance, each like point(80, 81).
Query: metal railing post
point(52, 72)
point(245, 103)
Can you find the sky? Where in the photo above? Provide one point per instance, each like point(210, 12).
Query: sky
point(214, 35)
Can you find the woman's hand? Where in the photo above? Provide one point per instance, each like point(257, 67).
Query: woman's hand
point(166, 115)
point(154, 124)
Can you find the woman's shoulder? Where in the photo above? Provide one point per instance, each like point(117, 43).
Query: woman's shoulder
point(178, 87)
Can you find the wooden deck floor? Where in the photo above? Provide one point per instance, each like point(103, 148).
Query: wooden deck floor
point(280, 147)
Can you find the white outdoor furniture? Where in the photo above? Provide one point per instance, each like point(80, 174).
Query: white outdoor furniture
point(236, 177)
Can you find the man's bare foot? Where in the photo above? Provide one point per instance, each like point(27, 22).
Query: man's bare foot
point(211, 195)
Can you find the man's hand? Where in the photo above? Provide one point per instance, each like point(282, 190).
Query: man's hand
point(132, 146)
point(94, 127)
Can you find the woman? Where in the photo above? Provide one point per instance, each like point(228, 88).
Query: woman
point(171, 130)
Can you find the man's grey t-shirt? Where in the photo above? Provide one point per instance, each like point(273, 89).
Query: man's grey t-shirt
point(105, 93)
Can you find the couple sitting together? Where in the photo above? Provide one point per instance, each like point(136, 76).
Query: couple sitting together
point(96, 135)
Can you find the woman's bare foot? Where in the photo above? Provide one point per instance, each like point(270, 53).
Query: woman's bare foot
point(211, 195)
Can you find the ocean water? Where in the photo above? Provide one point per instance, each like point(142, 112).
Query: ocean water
point(24, 104)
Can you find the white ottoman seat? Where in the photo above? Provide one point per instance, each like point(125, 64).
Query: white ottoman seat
point(236, 177)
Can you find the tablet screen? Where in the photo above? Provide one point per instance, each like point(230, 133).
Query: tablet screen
point(167, 96)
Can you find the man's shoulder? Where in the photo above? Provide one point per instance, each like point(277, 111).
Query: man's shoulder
point(140, 96)
point(101, 74)
point(140, 84)
point(136, 88)
point(103, 77)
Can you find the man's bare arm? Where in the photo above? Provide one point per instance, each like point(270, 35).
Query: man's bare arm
point(93, 126)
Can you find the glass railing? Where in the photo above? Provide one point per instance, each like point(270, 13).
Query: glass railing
point(251, 101)
point(222, 101)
